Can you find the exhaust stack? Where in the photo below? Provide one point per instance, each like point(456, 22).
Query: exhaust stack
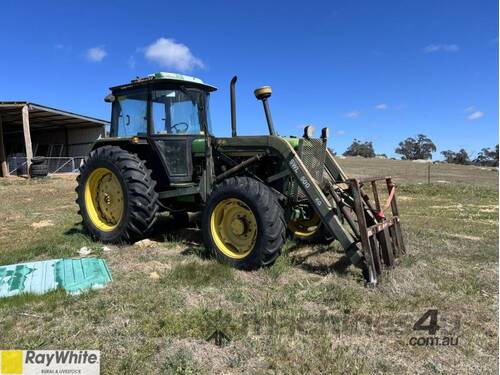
point(233, 105)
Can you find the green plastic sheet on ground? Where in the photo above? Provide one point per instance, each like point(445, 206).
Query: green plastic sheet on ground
point(72, 275)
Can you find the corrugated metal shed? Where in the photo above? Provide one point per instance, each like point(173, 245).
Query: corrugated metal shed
point(41, 116)
point(18, 119)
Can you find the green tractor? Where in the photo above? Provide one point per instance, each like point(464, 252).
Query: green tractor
point(253, 191)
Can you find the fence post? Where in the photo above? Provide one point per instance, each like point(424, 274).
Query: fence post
point(428, 173)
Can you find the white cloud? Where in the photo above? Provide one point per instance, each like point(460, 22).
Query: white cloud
point(96, 54)
point(170, 54)
point(475, 115)
point(131, 62)
point(353, 114)
point(381, 106)
point(58, 46)
point(441, 48)
point(340, 132)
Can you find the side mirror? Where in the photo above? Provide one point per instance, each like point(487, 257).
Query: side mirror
point(109, 98)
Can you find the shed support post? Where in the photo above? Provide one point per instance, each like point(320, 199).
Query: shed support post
point(66, 151)
point(3, 159)
point(27, 139)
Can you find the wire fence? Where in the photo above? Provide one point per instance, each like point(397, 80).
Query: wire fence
point(406, 171)
point(17, 164)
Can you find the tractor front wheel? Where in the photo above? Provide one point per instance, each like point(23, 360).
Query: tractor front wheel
point(243, 223)
point(116, 196)
point(309, 230)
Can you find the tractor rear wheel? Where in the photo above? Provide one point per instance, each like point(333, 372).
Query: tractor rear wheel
point(116, 195)
point(243, 223)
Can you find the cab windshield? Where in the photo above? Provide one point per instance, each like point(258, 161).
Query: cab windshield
point(173, 111)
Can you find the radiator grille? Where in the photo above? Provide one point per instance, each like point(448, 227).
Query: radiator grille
point(312, 153)
point(313, 156)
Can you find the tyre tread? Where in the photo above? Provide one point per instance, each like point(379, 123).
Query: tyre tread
point(273, 231)
point(143, 198)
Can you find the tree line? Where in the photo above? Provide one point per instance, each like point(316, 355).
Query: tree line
point(422, 147)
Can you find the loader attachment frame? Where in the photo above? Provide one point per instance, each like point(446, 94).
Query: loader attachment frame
point(370, 240)
point(382, 239)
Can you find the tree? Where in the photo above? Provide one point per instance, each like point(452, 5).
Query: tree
point(487, 157)
point(449, 155)
point(460, 157)
point(413, 149)
point(358, 148)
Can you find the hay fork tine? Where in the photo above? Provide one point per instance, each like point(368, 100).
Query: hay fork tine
point(376, 254)
point(395, 213)
point(368, 251)
point(384, 237)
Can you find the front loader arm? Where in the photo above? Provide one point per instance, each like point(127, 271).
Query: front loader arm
point(333, 168)
point(325, 209)
point(376, 240)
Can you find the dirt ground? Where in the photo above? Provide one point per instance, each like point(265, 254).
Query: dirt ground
point(308, 313)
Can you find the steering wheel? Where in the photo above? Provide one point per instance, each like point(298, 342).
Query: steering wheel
point(183, 130)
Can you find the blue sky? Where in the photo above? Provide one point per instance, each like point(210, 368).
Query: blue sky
point(373, 70)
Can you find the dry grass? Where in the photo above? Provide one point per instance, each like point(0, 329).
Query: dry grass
point(413, 172)
point(309, 313)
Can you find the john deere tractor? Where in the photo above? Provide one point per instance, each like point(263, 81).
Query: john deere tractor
point(253, 191)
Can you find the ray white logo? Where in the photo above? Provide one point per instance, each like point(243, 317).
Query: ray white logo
point(31, 362)
point(60, 357)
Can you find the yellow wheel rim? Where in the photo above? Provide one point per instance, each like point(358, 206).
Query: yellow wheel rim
point(234, 228)
point(305, 227)
point(104, 199)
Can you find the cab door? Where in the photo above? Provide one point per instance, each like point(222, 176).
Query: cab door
point(175, 125)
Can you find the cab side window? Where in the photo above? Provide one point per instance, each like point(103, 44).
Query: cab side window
point(130, 115)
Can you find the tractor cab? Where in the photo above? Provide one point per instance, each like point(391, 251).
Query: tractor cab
point(169, 111)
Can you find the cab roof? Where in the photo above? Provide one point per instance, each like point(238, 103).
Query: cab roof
point(166, 77)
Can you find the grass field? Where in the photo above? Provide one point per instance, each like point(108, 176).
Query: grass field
point(407, 171)
point(308, 313)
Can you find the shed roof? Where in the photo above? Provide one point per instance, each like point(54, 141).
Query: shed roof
point(41, 116)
